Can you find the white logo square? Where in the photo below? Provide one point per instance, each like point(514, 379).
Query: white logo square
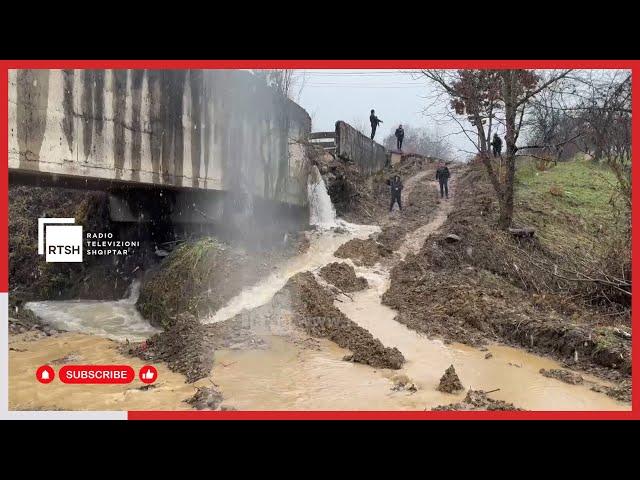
point(63, 243)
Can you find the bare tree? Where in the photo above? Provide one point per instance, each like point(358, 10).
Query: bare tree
point(422, 141)
point(288, 82)
point(486, 97)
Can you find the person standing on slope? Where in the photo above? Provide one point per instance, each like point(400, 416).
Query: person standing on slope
point(442, 176)
point(396, 187)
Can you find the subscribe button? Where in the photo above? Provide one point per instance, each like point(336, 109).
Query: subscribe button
point(96, 374)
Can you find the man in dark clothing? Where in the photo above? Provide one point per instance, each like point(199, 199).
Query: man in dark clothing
point(496, 143)
point(442, 175)
point(400, 136)
point(375, 121)
point(396, 187)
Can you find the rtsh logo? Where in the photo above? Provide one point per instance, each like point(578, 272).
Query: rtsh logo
point(60, 242)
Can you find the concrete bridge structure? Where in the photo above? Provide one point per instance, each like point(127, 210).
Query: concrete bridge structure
point(193, 133)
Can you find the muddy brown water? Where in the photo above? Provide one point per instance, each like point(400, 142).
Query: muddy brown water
point(294, 375)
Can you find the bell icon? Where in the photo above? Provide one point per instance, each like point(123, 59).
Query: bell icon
point(45, 375)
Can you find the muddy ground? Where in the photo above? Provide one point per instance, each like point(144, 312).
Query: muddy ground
point(343, 276)
point(473, 291)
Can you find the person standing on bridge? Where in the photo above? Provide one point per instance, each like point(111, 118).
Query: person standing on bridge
point(496, 143)
point(442, 176)
point(396, 187)
point(399, 136)
point(375, 121)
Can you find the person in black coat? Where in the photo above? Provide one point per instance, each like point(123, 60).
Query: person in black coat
point(496, 143)
point(395, 185)
point(399, 136)
point(442, 176)
point(375, 121)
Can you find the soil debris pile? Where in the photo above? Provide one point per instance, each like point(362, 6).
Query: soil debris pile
point(621, 391)
point(343, 276)
point(184, 346)
point(201, 276)
point(449, 382)
point(403, 383)
point(196, 278)
point(205, 398)
point(363, 252)
point(563, 375)
point(478, 400)
point(316, 314)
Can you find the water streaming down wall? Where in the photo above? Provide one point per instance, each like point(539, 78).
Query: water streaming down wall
point(322, 213)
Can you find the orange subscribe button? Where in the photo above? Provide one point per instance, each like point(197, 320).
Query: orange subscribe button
point(96, 374)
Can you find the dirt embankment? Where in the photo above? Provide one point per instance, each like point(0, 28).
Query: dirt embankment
point(316, 315)
point(365, 252)
point(481, 288)
point(343, 276)
point(200, 276)
point(184, 346)
point(365, 199)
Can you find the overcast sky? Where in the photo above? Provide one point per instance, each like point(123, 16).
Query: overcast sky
point(349, 95)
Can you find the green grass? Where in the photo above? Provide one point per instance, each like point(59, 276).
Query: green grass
point(580, 215)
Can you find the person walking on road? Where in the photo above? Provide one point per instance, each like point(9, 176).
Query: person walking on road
point(399, 136)
point(375, 121)
point(396, 187)
point(442, 176)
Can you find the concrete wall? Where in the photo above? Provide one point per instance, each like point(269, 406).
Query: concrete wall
point(352, 145)
point(202, 129)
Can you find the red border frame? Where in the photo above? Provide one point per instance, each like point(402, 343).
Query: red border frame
point(634, 65)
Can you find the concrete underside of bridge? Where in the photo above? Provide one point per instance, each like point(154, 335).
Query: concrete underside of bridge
point(176, 129)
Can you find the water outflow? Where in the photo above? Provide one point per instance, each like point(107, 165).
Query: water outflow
point(117, 319)
point(322, 214)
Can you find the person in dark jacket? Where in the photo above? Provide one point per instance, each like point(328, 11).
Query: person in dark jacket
point(442, 176)
point(375, 121)
point(496, 143)
point(399, 136)
point(395, 185)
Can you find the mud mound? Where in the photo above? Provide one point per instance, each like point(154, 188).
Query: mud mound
point(472, 305)
point(562, 375)
point(449, 382)
point(205, 398)
point(343, 276)
point(196, 278)
point(316, 314)
point(363, 252)
point(478, 400)
point(184, 346)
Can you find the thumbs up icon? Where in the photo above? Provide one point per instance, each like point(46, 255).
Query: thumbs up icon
point(148, 374)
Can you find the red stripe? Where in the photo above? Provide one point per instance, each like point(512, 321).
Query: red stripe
point(4, 180)
point(635, 239)
point(320, 64)
point(390, 64)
